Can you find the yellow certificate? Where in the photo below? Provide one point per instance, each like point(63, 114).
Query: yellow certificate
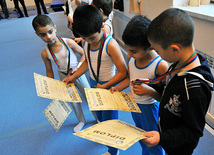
point(55, 89)
point(57, 112)
point(114, 133)
point(102, 99)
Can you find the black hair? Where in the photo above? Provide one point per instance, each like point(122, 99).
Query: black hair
point(41, 21)
point(105, 5)
point(66, 8)
point(87, 20)
point(135, 33)
point(172, 26)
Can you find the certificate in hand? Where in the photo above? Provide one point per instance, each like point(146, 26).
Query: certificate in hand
point(114, 133)
point(103, 99)
point(57, 112)
point(55, 89)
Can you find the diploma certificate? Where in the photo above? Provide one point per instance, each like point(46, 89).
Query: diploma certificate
point(55, 89)
point(57, 112)
point(103, 99)
point(114, 133)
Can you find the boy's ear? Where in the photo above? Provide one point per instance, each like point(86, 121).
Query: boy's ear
point(101, 10)
point(55, 27)
point(36, 33)
point(151, 48)
point(175, 48)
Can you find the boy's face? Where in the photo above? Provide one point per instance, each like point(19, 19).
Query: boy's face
point(136, 52)
point(167, 55)
point(93, 39)
point(47, 34)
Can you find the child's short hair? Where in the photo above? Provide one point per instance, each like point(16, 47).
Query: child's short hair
point(135, 33)
point(172, 26)
point(87, 20)
point(41, 21)
point(105, 5)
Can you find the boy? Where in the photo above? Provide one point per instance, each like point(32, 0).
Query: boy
point(143, 62)
point(102, 54)
point(62, 52)
point(189, 84)
point(105, 7)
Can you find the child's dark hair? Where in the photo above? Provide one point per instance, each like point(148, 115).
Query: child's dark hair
point(41, 21)
point(87, 20)
point(135, 33)
point(66, 8)
point(105, 5)
point(172, 26)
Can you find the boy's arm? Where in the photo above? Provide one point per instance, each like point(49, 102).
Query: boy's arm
point(162, 68)
point(106, 29)
point(83, 68)
point(76, 48)
point(115, 52)
point(147, 89)
point(48, 65)
point(125, 83)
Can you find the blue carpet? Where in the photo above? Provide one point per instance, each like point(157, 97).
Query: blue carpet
point(24, 129)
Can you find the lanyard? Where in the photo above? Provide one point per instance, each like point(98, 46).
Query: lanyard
point(105, 19)
point(55, 58)
point(158, 79)
point(98, 58)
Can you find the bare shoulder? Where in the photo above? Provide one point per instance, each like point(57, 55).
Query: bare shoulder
point(70, 42)
point(128, 55)
point(44, 54)
point(162, 67)
point(113, 46)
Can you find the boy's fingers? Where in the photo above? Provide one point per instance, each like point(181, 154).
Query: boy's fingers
point(146, 134)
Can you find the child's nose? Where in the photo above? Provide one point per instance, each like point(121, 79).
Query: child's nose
point(48, 35)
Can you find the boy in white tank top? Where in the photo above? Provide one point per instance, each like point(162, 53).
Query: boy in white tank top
point(62, 52)
point(87, 22)
point(143, 63)
point(105, 7)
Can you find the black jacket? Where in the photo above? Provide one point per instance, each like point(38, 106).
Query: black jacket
point(183, 107)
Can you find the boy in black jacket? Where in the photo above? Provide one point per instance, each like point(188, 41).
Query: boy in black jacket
point(186, 94)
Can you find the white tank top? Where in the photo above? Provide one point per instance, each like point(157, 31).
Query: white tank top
point(109, 23)
point(62, 57)
point(107, 67)
point(147, 72)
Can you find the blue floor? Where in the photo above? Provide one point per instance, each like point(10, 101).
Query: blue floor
point(24, 130)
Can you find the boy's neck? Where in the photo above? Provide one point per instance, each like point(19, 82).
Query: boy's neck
point(104, 17)
point(186, 54)
point(57, 42)
point(144, 61)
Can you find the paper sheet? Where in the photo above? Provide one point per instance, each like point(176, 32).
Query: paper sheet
point(114, 133)
point(57, 112)
point(102, 99)
point(55, 89)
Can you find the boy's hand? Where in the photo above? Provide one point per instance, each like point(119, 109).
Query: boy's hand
point(138, 89)
point(70, 21)
point(69, 79)
point(153, 138)
point(142, 89)
point(113, 89)
point(99, 86)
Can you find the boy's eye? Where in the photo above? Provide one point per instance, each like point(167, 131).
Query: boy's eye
point(50, 32)
point(42, 35)
point(134, 52)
